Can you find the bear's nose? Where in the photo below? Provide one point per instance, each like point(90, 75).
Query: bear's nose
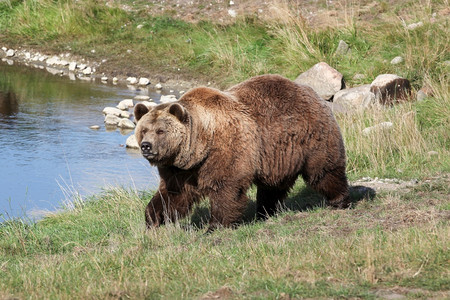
point(146, 147)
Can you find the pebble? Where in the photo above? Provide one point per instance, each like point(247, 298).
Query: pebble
point(72, 66)
point(104, 78)
point(10, 53)
point(87, 71)
point(141, 98)
point(126, 123)
point(396, 60)
point(132, 80)
point(94, 127)
point(158, 86)
point(143, 81)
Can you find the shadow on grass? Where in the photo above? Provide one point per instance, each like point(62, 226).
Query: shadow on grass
point(305, 199)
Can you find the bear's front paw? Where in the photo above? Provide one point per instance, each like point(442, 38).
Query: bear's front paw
point(153, 218)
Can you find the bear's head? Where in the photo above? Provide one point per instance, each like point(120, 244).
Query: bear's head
point(161, 132)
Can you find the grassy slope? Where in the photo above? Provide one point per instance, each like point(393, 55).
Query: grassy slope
point(397, 241)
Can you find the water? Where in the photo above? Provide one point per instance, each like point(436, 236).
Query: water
point(48, 152)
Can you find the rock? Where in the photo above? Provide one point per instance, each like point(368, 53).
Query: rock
point(72, 66)
point(112, 120)
point(87, 71)
point(323, 79)
point(421, 96)
point(432, 153)
point(125, 104)
point(355, 98)
point(167, 98)
point(359, 76)
point(149, 104)
point(4, 49)
point(104, 78)
point(27, 55)
point(342, 48)
point(132, 80)
point(141, 98)
point(63, 63)
point(390, 88)
point(414, 25)
point(158, 86)
point(126, 123)
point(232, 13)
point(52, 60)
point(139, 26)
point(396, 60)
point(115, 79)
point(381, 126)
point(143, 81)
point(94, 127)
point(116, 112)
point(10, 53)
point(131, 142)
point(82, 66)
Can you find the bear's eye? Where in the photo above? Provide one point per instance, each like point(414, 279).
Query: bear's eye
point(159, 131)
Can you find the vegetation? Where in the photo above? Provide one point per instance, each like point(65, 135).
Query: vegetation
point(394, 242)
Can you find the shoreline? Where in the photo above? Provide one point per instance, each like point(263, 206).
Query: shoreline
point(76, 67)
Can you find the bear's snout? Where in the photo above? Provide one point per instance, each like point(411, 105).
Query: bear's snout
point(147, 150)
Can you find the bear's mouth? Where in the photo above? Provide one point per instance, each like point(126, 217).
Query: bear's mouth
point(149, 155)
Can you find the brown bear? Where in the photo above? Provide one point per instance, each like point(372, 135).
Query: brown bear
point(265, 131)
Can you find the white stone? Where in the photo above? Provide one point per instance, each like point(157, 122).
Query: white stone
point(381, 126)
point(4, 49)
point(115, 79)
point(396, 60)
point(139, 26)
point(149, 104)
point(355, 98)
point(127, 103)
point(104, 78)
point(141, 98)
point(94, 127)
point(132, 80)
point(384, 79)
point(323, 79)
point(232, 13)
point(116, 112)
point(158, 86)
point(87, 71)
point(112, 120)
point(52, 60)
point(167, 98)
point(144, 81)
point(82, 66)
point(27, 55)
point(63, 62)
point(10, 53)
point(414, 25)
point(72, 66)
point(131, 142)
point(126, 124)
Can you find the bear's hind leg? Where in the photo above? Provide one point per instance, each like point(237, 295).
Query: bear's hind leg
point(333, 185)
point(267, 199)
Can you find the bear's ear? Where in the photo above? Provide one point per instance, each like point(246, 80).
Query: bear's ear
point(139, 111)
point(178, 111)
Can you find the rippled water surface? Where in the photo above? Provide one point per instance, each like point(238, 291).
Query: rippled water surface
point(47, 150)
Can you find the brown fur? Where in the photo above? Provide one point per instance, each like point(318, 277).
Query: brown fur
point(265, 131)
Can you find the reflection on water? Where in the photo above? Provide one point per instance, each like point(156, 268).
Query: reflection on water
point(47, 150)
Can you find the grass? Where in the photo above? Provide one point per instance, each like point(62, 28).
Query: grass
point(394, 242)
point(100, 249)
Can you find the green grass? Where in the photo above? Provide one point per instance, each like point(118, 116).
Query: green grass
point(100, 249)
point(396, 241)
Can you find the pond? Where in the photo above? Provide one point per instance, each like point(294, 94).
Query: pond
point(48, 153)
